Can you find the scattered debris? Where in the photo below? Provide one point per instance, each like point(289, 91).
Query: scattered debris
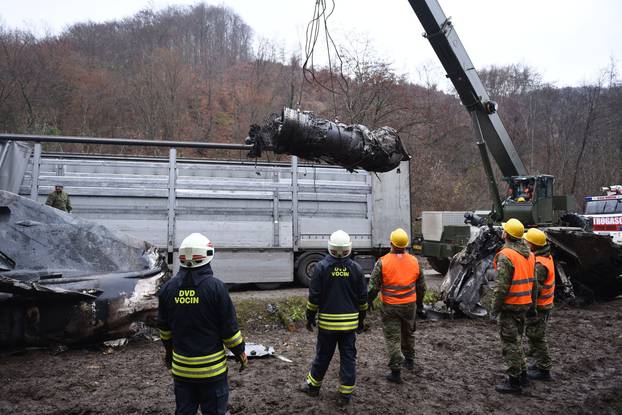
point(64, 280)
point(255, 350)
point(317, 139)
point(587, 265)
point(116, 343)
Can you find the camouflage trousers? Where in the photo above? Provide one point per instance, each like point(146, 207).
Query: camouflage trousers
point(535, 330)
point(398, 325)
point(511, 329)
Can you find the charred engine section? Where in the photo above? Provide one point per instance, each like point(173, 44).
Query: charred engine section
point(351, 146)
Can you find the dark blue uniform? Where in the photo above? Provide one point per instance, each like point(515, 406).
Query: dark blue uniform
point(337, 291)
point(197, 318)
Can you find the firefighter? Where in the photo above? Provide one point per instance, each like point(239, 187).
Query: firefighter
point(536, 323)
point(59, 199)
point(515, 295)
point(402, 288)
point(338, 296)
point(197, 320)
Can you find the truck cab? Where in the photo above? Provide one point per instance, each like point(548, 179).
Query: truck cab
point(605, 212)
point(529, 199)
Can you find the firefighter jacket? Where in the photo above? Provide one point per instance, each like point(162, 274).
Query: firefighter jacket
point(516, 288)
point(196, 314)
point(338, 292)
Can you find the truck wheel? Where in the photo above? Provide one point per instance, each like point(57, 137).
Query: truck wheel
point(305, 267)
point(440, 265)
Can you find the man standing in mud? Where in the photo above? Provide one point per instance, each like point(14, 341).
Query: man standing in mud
point(515, 295)
point(337, 291)
point(536, 324)
point(59, 199)
point(197, 320)
point(402, 288)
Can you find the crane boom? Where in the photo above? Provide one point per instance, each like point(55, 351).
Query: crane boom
point(454, 58)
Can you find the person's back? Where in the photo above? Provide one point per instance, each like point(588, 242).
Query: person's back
point(197, 321)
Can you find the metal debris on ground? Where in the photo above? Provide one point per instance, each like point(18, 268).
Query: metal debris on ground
point(255, 350)
point(587, 265)
point(350, 146)
point(64, 280)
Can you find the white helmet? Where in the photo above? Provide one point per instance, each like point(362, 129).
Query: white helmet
point(339, 244)
point(195, 251)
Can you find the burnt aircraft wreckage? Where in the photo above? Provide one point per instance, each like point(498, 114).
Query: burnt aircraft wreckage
point(587, 266)
point(312, 138)
point(68, 281)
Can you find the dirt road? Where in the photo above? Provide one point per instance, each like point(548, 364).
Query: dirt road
point(458, 363)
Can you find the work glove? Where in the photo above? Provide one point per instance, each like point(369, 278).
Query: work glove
point(370, 304)
point(421, 313)
point(310, 319)
point(167, 358)
point(532, 313)
point(243, 359)
point(361, 327)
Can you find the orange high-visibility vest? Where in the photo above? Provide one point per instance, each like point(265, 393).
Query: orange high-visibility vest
point(522, 280)
point(547, 290)
point(399, 277)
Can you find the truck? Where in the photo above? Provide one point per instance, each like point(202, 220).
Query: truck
point(269, 222)
point(605, 212)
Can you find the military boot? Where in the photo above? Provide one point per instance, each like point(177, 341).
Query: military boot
point(524, 379)
point(312, 391)
point(409, 364)
point(510, 385)
point(395, 376)
point(539, 374)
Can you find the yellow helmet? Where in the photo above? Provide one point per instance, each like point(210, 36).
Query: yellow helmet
point(536, 237)
point(520, 200)
point(399, 238)
point(514, 227)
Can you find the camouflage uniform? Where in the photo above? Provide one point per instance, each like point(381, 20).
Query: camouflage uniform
point(59, 200)
point(511, 317)
point(398, 320)
point(535, 329)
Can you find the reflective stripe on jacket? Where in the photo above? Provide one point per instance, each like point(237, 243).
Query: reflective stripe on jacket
point(399, 277)
point(199, 367)
point(338, 322)
point(523, 278)
point(546, 291)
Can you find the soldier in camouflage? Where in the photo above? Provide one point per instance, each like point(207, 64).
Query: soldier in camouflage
point(402, 288)
point(515, 295)
point(536, 324)
point(59, 199)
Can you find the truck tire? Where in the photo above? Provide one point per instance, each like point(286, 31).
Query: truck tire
point(305, 267)
point(440, 265)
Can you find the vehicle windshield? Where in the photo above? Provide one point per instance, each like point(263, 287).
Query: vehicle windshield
point(600, 207)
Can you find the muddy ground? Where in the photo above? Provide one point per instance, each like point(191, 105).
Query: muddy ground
point(458, 363)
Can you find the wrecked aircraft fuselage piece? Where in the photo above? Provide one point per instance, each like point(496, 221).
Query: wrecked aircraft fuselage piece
point(65, 281)
point(350, 146)
point(587, 265)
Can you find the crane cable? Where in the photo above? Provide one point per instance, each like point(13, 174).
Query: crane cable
point(320, 18)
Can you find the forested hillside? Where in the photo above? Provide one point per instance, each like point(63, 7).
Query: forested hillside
point(193, 73)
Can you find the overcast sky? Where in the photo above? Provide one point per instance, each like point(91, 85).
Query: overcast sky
point(568, 41)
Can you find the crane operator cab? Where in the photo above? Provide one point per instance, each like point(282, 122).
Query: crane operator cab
point(529, 199)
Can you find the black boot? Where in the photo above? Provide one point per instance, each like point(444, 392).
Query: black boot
point(409, 364)
point(510, 385)
point(343, 400)
point(524, 379)
point(395, 376)
point(539, 374)
point(312, 391)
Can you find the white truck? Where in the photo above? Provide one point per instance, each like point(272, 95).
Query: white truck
point(605, 212)
point(269, 222)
